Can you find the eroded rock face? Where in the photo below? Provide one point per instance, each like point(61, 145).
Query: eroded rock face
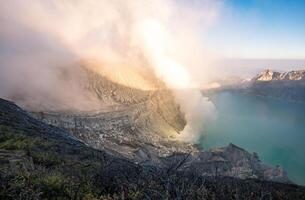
point(34, 156)
point(269, 75)
point(135, 123)
point(230, 161)
point(288, 85)
point(114, 133)
point(138, 125)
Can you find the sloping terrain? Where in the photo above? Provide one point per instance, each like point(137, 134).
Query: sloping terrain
point(137, 124)
point(230, 161)
point(39, 161)
point(288, 85)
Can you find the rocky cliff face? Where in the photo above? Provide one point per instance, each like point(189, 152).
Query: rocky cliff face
point(269, 75)
point(118, 140)
point(134, 123)
point(288, 85)
point(141, 125)
point(230, 161)
point(39, 161)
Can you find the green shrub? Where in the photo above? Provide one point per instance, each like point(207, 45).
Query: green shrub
point(12, 140)
point(47, 159)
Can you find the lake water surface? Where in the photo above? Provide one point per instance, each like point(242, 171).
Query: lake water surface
point(273, 128)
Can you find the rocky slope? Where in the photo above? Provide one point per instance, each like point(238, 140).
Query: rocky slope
point(141, 125)
point(269, 75)
point(231, 161)
point(288, 85)
point(39, 161)
point(137, 124)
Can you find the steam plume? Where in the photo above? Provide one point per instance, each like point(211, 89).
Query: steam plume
point(42, 37)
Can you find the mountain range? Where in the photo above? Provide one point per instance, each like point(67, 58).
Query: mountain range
point(287, 85)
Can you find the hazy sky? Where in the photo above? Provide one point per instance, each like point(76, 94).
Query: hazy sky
point(243, 36)
point(264, 29)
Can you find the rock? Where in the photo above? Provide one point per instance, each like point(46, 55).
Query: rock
point(138, 119)
point(230, 161)
point(66, 168)
point(136, 124)
point(269, 75)
point(287, 85)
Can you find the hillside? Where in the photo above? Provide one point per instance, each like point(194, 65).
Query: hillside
point(287, 85)
point(39, 161)
point(125, 148)
point(141, 126)
point(138, 124)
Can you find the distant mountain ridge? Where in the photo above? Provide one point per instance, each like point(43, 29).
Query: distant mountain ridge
point(269, 75)
point(286, 85)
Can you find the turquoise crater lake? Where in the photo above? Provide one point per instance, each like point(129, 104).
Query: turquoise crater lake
point(273, 128)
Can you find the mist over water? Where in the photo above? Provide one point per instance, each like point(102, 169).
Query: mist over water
point(273, 128)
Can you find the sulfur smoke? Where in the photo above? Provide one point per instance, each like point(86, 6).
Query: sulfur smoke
point(40, 41)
